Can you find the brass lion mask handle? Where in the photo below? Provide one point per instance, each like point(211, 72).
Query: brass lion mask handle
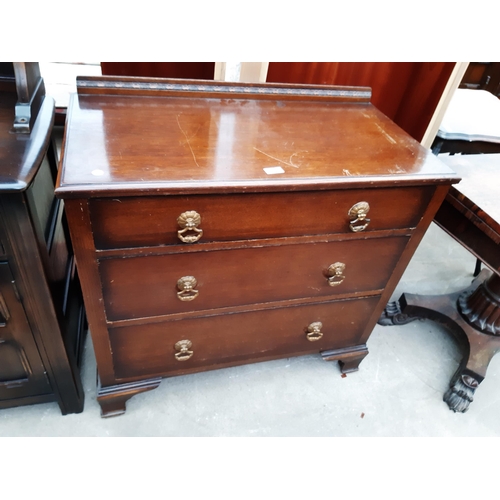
point(357, 213)
point(189, 222)
point(336, 274)
point(314, 331)
point(183, 346)
point(186, 286)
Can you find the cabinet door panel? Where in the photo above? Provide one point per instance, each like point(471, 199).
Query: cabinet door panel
point(21, 370)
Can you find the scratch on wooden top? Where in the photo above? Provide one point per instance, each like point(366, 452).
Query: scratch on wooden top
point(397, 170)
point(187, 139)
point(277, 159)
point(388, 137)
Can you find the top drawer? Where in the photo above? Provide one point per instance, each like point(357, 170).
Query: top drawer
point(150, 221)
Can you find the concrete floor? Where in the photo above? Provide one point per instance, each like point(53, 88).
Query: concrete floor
point(397, 391)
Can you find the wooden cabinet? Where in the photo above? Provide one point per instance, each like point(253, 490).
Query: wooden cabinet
point(41, 309)
point(22, 373)
point(216, 224)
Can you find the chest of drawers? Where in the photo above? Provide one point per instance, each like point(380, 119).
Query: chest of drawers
point(216, 224)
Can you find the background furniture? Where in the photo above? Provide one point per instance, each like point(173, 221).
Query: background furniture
point(471, 215)
point(482, 75)
point(42, 321)
point(471, 124)
point(217, 224)
point(407, 92)
point(190, 70)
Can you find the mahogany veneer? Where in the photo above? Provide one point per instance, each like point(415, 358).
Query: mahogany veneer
point(213, 222)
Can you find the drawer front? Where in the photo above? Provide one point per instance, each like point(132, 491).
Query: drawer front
point(150, 350)
point(152, 221)
point(147, 286)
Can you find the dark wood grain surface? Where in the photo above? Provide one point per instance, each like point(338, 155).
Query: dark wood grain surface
point(236, 338)
point(41, 303)
point(140, 152)
point(244, 276)
point(21, 154)
point(199, 144)
point(149, 221)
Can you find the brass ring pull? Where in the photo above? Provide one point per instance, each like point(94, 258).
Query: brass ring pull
point(186, 286)
point(336, 274)
point(357, 213)
point(183, 347)
point(314, 331)
point(189, 222)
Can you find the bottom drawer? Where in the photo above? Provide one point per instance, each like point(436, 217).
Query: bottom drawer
point(150, 350)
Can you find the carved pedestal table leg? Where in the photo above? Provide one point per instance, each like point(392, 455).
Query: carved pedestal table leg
point(473, 316)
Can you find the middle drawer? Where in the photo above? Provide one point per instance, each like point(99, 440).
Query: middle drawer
point(157, 285)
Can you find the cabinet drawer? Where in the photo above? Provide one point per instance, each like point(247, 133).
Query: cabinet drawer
point(138, 287)
point(150, 350)
point(152, 221)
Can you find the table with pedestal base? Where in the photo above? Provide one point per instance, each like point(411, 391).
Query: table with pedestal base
point(471, 215)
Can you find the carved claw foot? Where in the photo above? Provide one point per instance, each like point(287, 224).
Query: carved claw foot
point(392, 315)
point(471, 315)
point(461, 394)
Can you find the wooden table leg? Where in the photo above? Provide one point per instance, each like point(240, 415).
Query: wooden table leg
point(473, 316)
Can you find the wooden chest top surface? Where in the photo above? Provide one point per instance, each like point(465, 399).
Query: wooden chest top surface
point(197, 142)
